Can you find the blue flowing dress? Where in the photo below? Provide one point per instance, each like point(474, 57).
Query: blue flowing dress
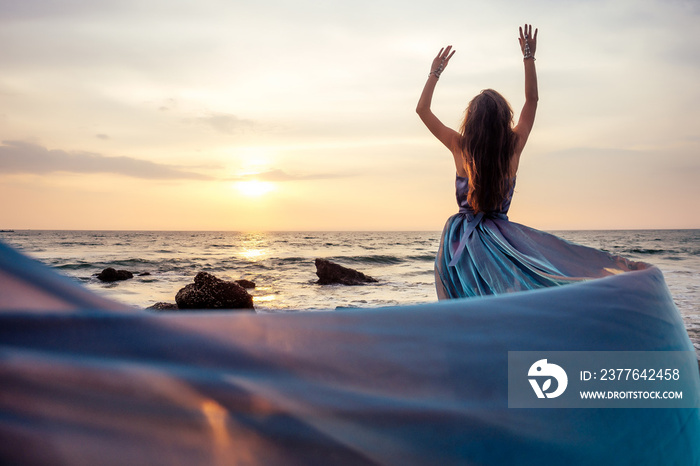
point(486, 254)
point(85, 381)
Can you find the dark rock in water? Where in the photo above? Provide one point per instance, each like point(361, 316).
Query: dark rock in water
point(247, 284)
point(209, 292)
point(331, 273)
point(144, 274)
point(111, 275)
point(163, 307)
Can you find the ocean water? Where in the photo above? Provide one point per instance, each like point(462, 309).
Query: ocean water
point(282, 263)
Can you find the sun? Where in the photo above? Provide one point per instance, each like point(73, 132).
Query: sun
point(254, 188)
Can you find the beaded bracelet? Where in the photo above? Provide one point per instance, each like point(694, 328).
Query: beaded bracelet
point(438, 71)
point(527, 53)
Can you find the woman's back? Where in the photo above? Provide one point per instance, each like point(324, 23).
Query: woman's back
point(462, 188)
point(487, 145)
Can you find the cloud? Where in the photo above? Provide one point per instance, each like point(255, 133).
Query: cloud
point(24, 157)
point(281, 175)
point(13, 10)
point(224, 122)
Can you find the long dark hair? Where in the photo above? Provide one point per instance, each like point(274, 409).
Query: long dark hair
point(488, 143)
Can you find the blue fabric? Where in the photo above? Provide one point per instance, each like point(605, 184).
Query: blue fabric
point(486, 254)
point(423, 384)
point(28, 285)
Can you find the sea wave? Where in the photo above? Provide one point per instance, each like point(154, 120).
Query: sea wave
point(372, 259)
point(126, 263)
point(649, 251)
point(422, 257)
point(80, 265)
point(292, 260)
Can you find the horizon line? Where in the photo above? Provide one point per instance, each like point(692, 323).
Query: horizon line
point(14, 230)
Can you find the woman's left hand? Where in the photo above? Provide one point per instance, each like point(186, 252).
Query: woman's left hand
point(441, 60)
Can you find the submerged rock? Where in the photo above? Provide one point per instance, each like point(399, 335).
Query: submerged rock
point(112, 275)
point(163, 307)
point(209, 292)
point(330, 273)
point(247, 284)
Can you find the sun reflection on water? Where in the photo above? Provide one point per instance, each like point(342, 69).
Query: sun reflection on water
point(253, 254)
point(265, 299)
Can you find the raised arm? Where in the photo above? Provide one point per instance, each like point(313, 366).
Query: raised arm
point(528, 45)
point(447, 136)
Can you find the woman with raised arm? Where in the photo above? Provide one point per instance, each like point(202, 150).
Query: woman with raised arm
point(481, 252)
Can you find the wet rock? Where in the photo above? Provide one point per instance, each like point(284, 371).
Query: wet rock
point(163, 307)
point(247, 284)
point(331, 273)
point(112, 275)
point(209, 292)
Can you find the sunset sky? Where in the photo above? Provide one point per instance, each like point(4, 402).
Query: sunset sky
point(300, 115)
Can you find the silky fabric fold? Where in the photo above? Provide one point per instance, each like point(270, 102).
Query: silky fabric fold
point(411, 385)
point(486, 254)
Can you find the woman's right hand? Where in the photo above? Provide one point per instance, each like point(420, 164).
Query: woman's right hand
point(441, 60)
point(527, 40)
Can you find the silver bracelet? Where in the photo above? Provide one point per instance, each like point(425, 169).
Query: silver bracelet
point(438, 71)
point(527, 54)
